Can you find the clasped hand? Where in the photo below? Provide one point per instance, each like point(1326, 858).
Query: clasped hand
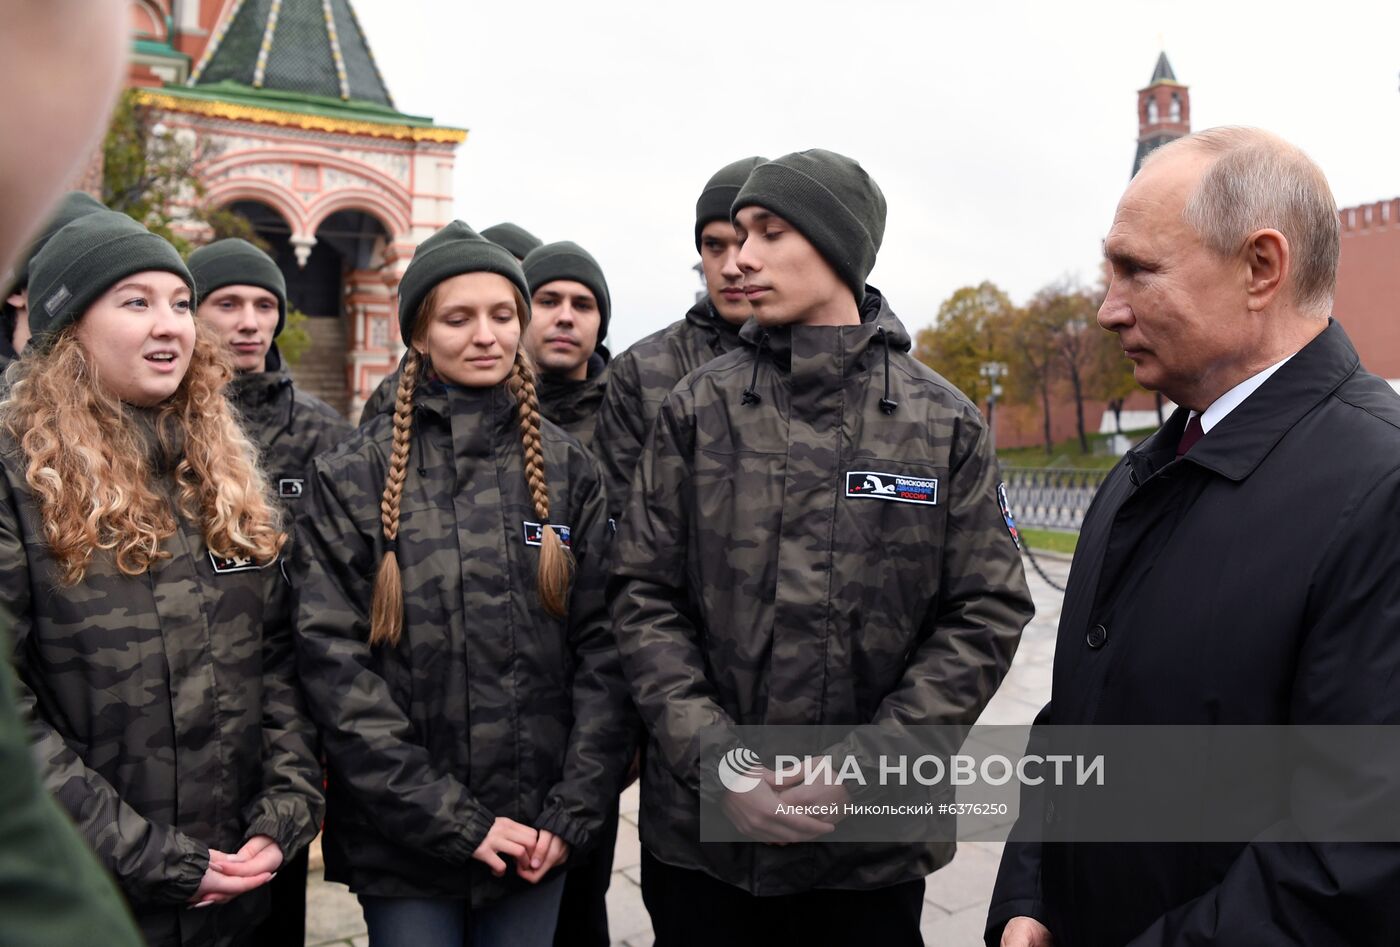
point(759, 813)
point(535, 851)
point(229, 875)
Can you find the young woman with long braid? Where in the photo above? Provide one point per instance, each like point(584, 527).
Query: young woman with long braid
point(451, 629)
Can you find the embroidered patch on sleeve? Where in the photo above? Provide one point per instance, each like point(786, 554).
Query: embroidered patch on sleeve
point(289, 487)
point(888, 486)
point(1005, 505)
point(534, 534)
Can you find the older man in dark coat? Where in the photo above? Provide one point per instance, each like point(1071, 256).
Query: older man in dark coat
point(1235, 568)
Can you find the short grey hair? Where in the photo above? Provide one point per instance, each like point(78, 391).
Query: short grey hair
point(1256, 181)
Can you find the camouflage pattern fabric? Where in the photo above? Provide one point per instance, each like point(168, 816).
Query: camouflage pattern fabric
point(488, 706)
point(639, 381)
point(573, 405)
point(291, 427)
point(52, 892)
point(762, 578)
point(164, 712)
point(381, 399)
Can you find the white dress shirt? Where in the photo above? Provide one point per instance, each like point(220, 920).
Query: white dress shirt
point(1233, 398)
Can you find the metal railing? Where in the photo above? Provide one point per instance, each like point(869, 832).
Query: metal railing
point(1051, 497)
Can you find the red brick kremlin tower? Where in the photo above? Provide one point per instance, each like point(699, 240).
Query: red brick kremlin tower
point(1164, 111)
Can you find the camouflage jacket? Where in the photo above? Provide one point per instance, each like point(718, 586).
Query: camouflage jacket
point(639, 381)
point(761, 578)
point(52, 891)
point(573, 405)
point(381, 399)
point(291, 427)
point(164, 711)
point(488, 706)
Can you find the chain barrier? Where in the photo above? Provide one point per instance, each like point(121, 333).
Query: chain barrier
point(1050, 498)
point(1035, 564)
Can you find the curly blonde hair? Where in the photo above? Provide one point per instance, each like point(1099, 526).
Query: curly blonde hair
point(88, 463)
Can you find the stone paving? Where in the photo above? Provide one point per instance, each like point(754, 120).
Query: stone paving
point(955, 902)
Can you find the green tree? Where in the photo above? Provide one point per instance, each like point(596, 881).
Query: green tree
point(973, 327)
point(148, 169)
point(1070, 312)
point(294, 339)
point(1034, 363)
point(1110, 376)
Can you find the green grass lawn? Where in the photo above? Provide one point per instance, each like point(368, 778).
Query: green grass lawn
point(1066, 453)
point(1052, 540)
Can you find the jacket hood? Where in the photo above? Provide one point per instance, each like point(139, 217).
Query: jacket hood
point(494, 405)
point(255, 392)
point(846, 348)
point(566, 401)
point(875, 313)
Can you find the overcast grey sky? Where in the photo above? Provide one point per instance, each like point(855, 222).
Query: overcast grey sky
point(1002, 133)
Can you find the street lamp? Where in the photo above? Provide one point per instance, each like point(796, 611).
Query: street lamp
point(993, 372)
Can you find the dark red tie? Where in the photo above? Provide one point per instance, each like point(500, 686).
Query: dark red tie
point(1193, 433)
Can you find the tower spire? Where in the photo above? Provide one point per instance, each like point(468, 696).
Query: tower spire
point(1163, 72)
point(1164, 111)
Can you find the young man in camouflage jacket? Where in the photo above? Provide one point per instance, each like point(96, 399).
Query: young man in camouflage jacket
point(570, 307)
point(243, 299)
point(641, 378)
point(814, 538)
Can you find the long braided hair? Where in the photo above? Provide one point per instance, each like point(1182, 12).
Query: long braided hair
point(386, 606)
point(556, 566)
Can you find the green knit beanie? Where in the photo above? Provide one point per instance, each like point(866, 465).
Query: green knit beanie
point(74, 204)
point(235, 262)
point(452, 251)
point(568, 260)
point(514, 238)
point(831, 200)
point(85, 259)
point(719, 193)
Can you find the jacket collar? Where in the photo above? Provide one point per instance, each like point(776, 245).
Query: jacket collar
point(839, 350)
point(1240, 442)
point(252, 389)
point(722, 336)
point(564, 400)
point(478, 418)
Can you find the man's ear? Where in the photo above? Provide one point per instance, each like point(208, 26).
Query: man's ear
point(1268, 262)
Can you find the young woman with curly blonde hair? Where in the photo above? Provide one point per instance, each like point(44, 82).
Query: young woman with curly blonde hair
point(138, 560)
point(451, 629)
